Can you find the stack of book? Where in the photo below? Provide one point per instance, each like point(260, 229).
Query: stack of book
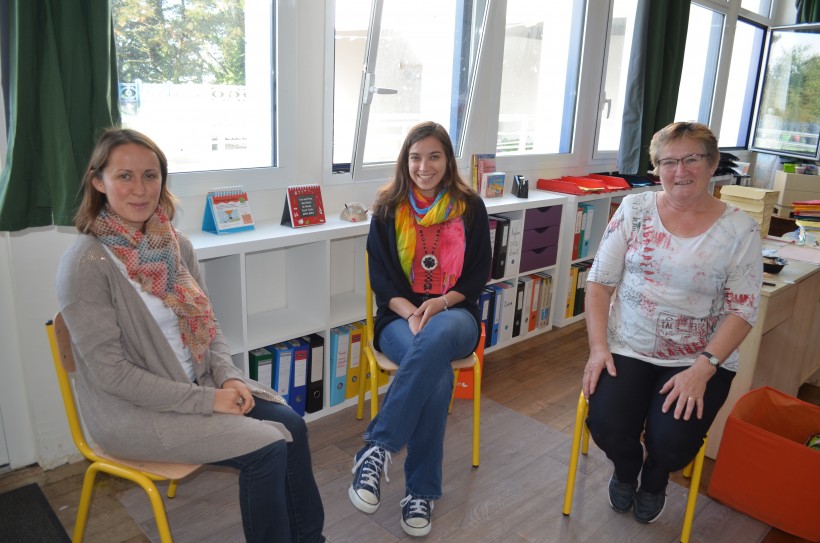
point(757, 203)
point(514, 308)
point(807, 215)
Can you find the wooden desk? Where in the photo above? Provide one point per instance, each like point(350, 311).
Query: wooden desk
point(783, 348)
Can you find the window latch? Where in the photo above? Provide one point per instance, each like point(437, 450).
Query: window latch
point(371, 88)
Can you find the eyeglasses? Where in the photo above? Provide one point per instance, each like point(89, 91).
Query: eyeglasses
point(689, 161)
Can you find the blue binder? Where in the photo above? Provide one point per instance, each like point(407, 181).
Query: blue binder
point(298, 376)
point(339, 343)
point(282, 362)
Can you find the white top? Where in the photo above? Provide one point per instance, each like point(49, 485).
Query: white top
point(672, 292)
point(166, 319)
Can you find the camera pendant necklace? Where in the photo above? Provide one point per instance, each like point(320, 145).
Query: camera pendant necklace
point(429, 262)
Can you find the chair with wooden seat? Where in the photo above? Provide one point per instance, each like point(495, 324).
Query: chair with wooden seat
point(378, 361)
point(580, 442)
point(142, 473)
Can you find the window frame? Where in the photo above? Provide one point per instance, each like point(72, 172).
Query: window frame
point(284, 71)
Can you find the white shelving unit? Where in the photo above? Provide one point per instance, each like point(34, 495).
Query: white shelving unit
point(275, 283)
point(601, 203)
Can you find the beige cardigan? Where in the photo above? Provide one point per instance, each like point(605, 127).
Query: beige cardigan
point(134, 395)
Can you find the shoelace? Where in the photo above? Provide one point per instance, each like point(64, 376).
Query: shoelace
point(375, 457)
point(418, 506)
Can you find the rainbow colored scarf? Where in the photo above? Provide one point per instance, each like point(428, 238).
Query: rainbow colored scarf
point(417, 210)
point(153, 260)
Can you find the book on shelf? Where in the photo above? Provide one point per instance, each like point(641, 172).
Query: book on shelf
point(485, 306)
point(339, 345)
point(282, 362)
point(495, 311)
point(479, 165)
point(518, 315)
point(545, 301)
point(492, 185)
point(515, 240)
point(502, 234)
point(586, 229)
point(493, 226)
point(532, 306)
point(227, 210)
point(505, 322)
point(354, 358)
point(261, 365)
point(571, 289)
point(315, 397)
point(303, 206)
point(576, 232)
point(297, 395)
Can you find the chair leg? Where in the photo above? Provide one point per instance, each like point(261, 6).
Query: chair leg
point(476, 413)
point(172, 488)
point(695, 469)
point(374, 389)
point(580, 428)
point(453, 394)
point(85, 502)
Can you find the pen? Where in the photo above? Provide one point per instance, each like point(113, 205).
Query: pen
point(769, 284)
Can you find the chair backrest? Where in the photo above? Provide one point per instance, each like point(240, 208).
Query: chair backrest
point(63, 357)
point(368, 294)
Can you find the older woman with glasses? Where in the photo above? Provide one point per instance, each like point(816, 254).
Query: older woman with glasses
point(685, 271)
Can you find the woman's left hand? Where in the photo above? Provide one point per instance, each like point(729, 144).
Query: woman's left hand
point(685, 391)
point(428, 309)
point(245, 401)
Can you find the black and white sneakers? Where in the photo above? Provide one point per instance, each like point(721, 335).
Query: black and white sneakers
point(364, 491)
point(416, 516)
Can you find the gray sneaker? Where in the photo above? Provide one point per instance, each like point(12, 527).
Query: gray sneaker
point(648, 506)
point(621, 495)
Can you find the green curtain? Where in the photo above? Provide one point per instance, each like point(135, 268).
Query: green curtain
point(654, 78)
point(62, 91)
point(808, 11)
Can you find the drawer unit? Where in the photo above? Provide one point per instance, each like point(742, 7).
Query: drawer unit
point(539, 247)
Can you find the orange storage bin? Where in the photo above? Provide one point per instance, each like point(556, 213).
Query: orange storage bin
point(464, 385)
point(763, 467)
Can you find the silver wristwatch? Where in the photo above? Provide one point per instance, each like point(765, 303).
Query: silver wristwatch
point(715, 361)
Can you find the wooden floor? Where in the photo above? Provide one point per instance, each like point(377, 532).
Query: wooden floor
point(539, 378)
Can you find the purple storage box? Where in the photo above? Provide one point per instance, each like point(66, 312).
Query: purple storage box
point(537, 238)
point(538, 258)
point(540, 217)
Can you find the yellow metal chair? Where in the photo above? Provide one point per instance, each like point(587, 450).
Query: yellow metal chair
point(142, 473)
point(377, 361)
point(580, 440)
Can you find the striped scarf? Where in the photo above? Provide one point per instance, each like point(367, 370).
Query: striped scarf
point(153, 260)
point(417, 210)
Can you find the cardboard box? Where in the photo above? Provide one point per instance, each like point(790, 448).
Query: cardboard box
point(795, 187)
point(763, 467)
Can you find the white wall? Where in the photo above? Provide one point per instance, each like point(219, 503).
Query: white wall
point(32, 414)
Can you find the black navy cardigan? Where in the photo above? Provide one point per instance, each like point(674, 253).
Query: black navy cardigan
point(387, 278)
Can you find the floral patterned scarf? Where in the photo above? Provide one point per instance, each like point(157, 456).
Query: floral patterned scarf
point(417, 210)
point(153, 260)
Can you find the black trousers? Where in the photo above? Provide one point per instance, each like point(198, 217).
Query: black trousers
point(628, 405)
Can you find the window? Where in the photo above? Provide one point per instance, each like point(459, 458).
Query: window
point(180, 58)
point(539, 80)
point(419, 60)
point(761, 7)
point(618, 51)
point(700, 60)
point(740, 88)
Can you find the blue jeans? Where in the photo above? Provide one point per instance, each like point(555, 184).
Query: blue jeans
point(414, 411)
point(278, 495)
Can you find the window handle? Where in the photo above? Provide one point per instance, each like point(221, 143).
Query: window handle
point(371, 88)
